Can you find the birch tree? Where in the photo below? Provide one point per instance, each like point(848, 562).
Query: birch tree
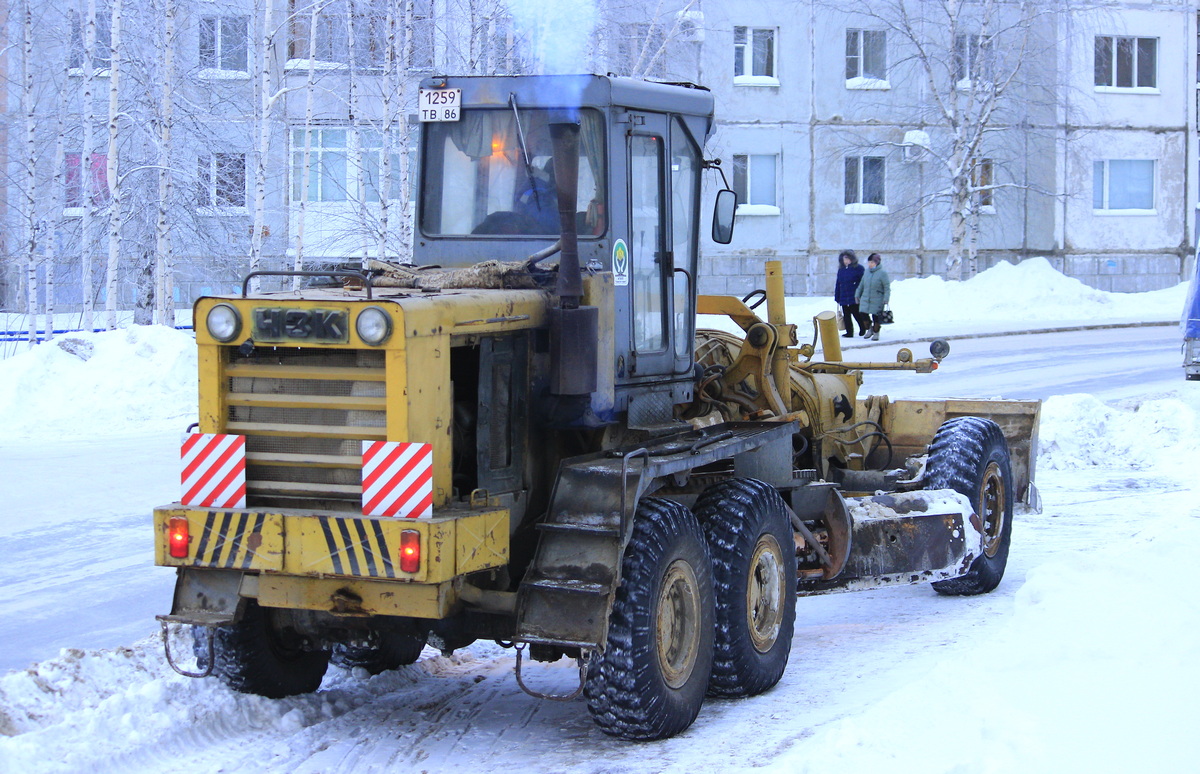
point(29, 184)
point(164, 265)
point(982, 65)
point(111, 170)
point(86, 172)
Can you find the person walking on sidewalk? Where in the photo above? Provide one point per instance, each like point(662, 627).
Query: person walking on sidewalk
point(873, 294)
point(850, 273)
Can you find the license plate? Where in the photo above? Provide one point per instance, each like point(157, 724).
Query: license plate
point(280, 324)
point(440, 104)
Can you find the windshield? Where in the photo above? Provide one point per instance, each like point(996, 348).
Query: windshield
point(477, 181)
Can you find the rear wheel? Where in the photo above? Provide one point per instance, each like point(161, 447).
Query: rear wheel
point(650, 681)
point(255, 656)
point(970, 456)
point(395, 650)
point(754, 577)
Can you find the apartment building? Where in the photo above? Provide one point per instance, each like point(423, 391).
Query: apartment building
point(834, 129)
point(830, 125)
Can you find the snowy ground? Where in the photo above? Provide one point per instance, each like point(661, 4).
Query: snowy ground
point(1084, 658)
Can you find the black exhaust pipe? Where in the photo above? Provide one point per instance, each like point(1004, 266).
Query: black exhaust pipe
point(575, 329)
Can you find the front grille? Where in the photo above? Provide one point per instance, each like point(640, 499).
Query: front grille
point(305, 414)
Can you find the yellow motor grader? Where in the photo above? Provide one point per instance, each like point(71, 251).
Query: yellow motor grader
point(523, 437)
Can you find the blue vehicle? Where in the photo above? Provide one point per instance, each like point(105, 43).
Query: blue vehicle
point(1191, 325)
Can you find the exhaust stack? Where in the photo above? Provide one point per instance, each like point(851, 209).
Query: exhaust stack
point(575, 329)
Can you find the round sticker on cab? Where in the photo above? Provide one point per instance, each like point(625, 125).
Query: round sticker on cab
point(620, 263)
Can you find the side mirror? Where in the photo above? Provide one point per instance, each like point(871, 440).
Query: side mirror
point(722, 226)
point(939, 348)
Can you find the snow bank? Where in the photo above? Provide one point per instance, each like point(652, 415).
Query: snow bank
point(137, 378)
point(1029, 295)
point(1033, 291)
point(1079, 431)
point(1066, 685)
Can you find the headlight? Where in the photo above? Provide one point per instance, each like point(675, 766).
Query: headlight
point(224, 323)
point(373, 325)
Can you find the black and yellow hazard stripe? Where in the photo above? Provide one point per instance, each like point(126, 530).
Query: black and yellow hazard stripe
point(227, 539)
point(357, 547)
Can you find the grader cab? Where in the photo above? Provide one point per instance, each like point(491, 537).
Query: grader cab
point(523, 436)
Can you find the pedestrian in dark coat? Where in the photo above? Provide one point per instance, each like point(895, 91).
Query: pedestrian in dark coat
point(850, 273)
point(874, 293)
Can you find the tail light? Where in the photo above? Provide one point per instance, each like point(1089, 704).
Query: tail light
point(177, 537)
point(410, 550)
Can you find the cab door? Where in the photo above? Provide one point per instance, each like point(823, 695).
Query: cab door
point(651, 340)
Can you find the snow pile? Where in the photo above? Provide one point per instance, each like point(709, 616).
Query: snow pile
point(1029, 295)
point(1035, 290)
point(138, 378)
point(1079, 431)
point(1066, 684)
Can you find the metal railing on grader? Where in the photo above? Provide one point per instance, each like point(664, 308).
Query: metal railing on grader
point(523, 437)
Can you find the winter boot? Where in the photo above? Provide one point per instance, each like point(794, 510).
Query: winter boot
point(875, 336)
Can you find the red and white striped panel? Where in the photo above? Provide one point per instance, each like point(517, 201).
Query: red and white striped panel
point(397, 479)
point(214, 470)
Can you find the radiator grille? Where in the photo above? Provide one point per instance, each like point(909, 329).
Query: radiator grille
point(305, 413)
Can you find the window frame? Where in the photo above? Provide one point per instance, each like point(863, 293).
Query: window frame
point(100, 64)
point(215, 67)
point(742, 168)
point(74, 205)
point(983, 173)
point(357, 144)
point(856, 60)
point(1105, 186)
point(745, 60)
point(1112, 72)
point(857, 205)
point(209, 181)
point(973, 59)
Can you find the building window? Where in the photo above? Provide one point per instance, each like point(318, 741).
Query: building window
point(754, 56)
point(1124, 185)
point(972, 59)
point(97, 180)
point(754, 183)
point(982, 180)
point(221, 180)
point(866, 57)
point(326, 37)
point(223, 43)
point(102, 53)
point(332, 174)
point(640, 50)
point(865, 177)
point(1126, 63)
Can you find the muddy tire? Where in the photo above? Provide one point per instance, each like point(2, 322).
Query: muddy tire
point(750, 539)
point(970, 456)
point(651, 679)
point(253, 656)
point(395, 651)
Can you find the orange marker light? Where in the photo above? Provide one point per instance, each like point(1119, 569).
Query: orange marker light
point(410, 550)
point(177, 537)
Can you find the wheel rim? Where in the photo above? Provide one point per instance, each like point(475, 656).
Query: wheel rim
point(765, 590)
point(991, 502)
point(677, 625)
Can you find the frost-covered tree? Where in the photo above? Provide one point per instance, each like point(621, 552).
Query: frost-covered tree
point(986, 67)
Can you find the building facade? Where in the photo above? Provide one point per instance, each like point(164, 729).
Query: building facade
point(291, 124)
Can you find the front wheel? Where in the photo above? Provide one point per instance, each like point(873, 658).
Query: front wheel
point(649, 682)
point(970, 456)
point(754, 577)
